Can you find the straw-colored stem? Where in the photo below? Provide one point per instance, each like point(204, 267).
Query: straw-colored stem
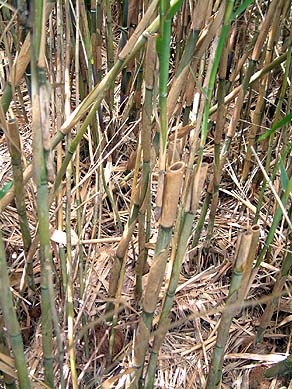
point(156, 275)
point(277, 289)
point(101, 88)
point(220, 121)
point(245, 255)
point(11, 323)
point(149, 66)
point(69, 259)
point(260, 100)
point(177, 255)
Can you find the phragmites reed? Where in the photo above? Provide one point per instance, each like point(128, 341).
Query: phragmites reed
point(145, 193)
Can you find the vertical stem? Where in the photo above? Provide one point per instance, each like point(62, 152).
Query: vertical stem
point(70, 291)
point(11, 323)
point(41, 151)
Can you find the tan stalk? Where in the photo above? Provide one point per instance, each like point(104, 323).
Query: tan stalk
point(264, 83)
point(246, 250)
point(156, 275)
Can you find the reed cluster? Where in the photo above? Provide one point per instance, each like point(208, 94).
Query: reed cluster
point(146, 158)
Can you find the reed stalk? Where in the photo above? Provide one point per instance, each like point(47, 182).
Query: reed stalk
point(20, 64)
point(246, 251)
point(276, 119)
point(15, 153)
point(260, 100)
point(156, 275)
point(8, 380)
point(69, 259)
point(118, 277)
point(77, 164)
point(277, 289)
point(237, 109)
point(41, 167)
point(213, 189)
point(11, 323)
point(177, 256)
point(129, 51)
point(59, 99)
point(149, 67)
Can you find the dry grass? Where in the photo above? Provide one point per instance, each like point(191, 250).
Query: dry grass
point(184, 359)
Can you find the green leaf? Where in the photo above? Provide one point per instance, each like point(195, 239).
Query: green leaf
point(286, 119)
point(174, 9)
point(283, 176)
point(241, 9)
point(5, 189)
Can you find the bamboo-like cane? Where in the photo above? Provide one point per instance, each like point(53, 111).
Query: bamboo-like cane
point(246, 250)
point(156, 275)
point(163, 51)
point(11, 323)
point(128, 54)
point(277, 289)
point(239, 103)
point(69, 258)
point(8, 380)
point(177, 255)
point(149, 66)
point(41, 150)
point(110, 51)
point(213, 188)
point(264, 85)
point(135, 199)
point(20, 64)
point(15, 152)
point(276, 118)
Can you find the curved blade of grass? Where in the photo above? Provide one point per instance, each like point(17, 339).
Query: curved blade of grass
point(5, 189)
point(241, 9)
point(286, 119)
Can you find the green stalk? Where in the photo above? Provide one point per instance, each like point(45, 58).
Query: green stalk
point(262, 88)
point(146, 167)
point(220, 47)
point(15, 153)
point(20, 65)
point(8, 380)
point(276, 221)
point(236, 113)
point(77, 168)
point(156, 275)
point(163, 50)
point(206, 113)
point(110, 64)
point(11, 323)
point(98, 93)
point(177, 256)
point(109, 27)
point(245, 254)
point(277, 289)
point(41, 150)
point(69, 259)
point(220, 121)
point(150, 300)
point(276, 118)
